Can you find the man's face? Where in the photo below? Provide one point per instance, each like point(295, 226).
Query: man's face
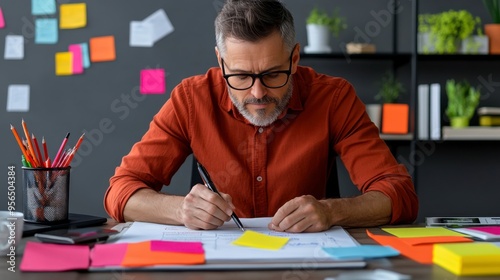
point(259, 104)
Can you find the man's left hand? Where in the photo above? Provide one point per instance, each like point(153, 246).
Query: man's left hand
point(302, 214)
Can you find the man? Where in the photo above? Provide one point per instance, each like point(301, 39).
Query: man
point(267, 131)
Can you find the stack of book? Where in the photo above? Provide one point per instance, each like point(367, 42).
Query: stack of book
point(468, 259)
point(489, 116)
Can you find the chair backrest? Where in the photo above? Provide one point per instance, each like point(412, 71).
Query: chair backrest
point(332, 184)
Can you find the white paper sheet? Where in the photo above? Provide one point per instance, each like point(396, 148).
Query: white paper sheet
point(218, 247)
point(18, 98)
point(141, 34)
point(161, 24)
point(14, 47)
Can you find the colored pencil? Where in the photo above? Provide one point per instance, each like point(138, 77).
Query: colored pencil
point(45, 151)
point(30, 144)
point(60, 152)
point(37, 149)
point(20, 143)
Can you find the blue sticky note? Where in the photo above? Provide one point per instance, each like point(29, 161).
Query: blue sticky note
point(85, 55)
point(361, 252)
point(46, 31)
point(43, 7)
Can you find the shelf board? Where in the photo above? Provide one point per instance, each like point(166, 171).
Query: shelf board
point(472, 133)
point(362, 56)
point(398, 137)
point(458, 57)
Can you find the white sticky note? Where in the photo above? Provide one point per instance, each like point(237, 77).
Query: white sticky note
point(18, 98)
point(141, 34)
point(161, 24)
point(14, 47)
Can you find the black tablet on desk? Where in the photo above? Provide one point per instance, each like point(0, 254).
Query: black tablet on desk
point(74, 221)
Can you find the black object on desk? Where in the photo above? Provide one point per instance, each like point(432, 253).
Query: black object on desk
point(74, 221)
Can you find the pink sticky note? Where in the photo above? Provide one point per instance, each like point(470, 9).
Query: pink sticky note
point(488, 229)
point(76, 50)
point(54, 257)
point(177, 247)
point(2, 20)
point(152, 81)
point(108, 254)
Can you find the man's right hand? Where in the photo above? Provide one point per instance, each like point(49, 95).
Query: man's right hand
point(203, 209)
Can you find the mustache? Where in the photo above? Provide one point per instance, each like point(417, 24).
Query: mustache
point(264, 100)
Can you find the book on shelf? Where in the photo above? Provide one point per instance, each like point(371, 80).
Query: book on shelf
point(435, 111)
point(468, 259)
point(489, 120)
point(488, 111)
point(423, 112)
point(488, 233)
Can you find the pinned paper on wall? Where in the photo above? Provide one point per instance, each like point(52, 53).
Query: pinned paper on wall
point(102, 49)
point(141, 34)
point(64, 63)
point(18, 98)
point(43, 7)
point(2, 20)
point(46, 31)
point(259, 240)
point(73, 15)
point(77, 57)
point(85, 55)
point(161, 24)
point(152, 81)
point(14, 47)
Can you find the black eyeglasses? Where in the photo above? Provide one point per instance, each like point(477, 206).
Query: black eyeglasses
point(273, 79)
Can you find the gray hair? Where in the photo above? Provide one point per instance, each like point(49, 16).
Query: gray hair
point(252, 20)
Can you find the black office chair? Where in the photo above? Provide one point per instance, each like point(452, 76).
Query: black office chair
point(332, 189)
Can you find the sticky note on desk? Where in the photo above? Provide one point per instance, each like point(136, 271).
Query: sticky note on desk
point(259, 240)
point(54, 257)
point(421, 232)
point(361, 252)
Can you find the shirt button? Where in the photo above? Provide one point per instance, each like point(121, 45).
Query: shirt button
point(261, 130)
point(259, 178)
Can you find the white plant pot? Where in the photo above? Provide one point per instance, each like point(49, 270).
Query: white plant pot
point(318, 39)
point(475, 45)
point(424, 44)
point(375, 113)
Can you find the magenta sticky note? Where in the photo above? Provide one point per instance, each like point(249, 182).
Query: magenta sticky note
point(152, 81)
point(2, 20)
point(107, 254)
point(488, 229)
point(177, 247)
point(76, 50)
point(54, 257)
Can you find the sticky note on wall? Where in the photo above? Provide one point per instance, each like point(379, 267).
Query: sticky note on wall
point(77, 55)
point(46, 31)
point(102, 49)
point(14, 47)
point(64, 63)
point(152, 81)
point(2, 20)
point(18, 98)
point(73, 16)
point(43, 7)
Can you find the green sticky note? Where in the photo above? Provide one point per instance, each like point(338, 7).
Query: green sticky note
point(261, 241)
point(422, 232)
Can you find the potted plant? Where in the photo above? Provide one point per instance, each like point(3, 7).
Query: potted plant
point(447, 29)
point(394, 115)
point(492, 30)
point(463, 100)
point(319, 27)
point(477, 43)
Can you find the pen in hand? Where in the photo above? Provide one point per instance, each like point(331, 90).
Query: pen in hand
point(208, 182)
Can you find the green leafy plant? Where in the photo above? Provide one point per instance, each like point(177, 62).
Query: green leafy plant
point(448, 28)
point(463, 99)
point(493, 7)
point(390, 88)
point(335, 23)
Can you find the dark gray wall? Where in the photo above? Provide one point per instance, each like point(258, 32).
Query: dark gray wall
point(464, 172)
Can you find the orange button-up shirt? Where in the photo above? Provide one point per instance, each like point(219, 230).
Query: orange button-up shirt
point(264, 167)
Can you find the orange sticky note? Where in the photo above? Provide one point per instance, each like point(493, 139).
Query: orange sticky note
point(73, 16)
point(64, 63)
point(102, 49)
point(140, 254)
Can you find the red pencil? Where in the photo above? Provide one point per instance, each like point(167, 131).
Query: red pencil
point(37, 148)
point(45, 151)
point(61, 150)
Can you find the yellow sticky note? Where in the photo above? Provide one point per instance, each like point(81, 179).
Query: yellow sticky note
point(422, 232)
point(64, 63)
point(261, 241)
point(73, 16)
